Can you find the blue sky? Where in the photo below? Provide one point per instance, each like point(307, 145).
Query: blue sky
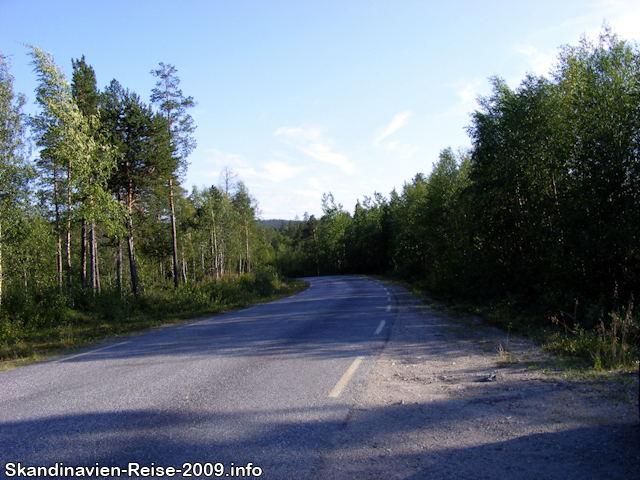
point(305, 97)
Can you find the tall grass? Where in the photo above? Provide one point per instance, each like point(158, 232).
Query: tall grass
point(597, 336)
point(613, 343)
point(45, 322)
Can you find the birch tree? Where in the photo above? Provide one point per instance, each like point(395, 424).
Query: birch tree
point(69, 155)
point(86, 96)
point(14, 169)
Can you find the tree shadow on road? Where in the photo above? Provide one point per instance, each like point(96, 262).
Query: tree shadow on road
point(365, 447)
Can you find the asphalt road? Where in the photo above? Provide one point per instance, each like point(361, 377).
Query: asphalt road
point(270, 385)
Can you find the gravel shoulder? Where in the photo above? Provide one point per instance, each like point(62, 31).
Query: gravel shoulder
point(429, 410)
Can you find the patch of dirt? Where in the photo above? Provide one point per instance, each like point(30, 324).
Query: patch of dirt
point(455, 398)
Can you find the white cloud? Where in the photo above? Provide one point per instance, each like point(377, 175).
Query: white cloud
point(537, 62)
point(315, 183)
point(399, 121)
point(315, 192)
point(274, 171)
point(627, 24)
point(214, 161)
point(622, 15)
point(467, 92)
point(224, 158)
point(311, 141)
point(393, 145)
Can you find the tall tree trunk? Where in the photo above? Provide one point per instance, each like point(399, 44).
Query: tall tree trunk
point(183, 264)
point(176, 278)
point(214, 256)
point(92, 252)
point(68, 255)
point(119, 257)
point(1, 273)
point(221, 258)
point(246, 233)
point(193, 257)
point(132, 259)
point(119, 265)
point(221, 249)
point(83, 252)
point(58, 226)
point(95, 271)
point(69, 279)
point(214, 247)
point(202, 258)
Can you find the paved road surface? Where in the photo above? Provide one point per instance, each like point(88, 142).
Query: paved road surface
point(270, 385)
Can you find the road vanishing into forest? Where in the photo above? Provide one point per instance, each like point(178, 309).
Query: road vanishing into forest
point(268, 386)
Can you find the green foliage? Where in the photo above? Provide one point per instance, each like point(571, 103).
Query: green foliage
point(49, 321)
point(15, 171)
point(83, 87)
point(541, 213)
point(613, 344)
point(267, 280)
point(107, 187)
point(538, 219)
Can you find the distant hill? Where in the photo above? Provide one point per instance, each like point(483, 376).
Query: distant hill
point(275, 223)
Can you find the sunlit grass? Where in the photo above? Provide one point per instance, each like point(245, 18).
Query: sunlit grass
point(22, 344)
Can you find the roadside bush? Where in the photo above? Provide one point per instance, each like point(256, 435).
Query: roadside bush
point(36, 309)
point(267, 280)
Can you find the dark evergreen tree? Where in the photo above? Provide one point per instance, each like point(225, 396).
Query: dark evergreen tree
point(144, 155)
point(173, 105)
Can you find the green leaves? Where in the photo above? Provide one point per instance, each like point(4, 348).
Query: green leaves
point(65, 135)
point(546, 205)
point(14, 168)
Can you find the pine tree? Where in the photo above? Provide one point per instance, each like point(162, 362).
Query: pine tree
point(143, 151)
point(173, 105)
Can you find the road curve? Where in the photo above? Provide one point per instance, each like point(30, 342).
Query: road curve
point(270, 385)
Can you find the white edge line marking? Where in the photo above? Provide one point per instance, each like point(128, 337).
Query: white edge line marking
point(380, 327)
point(62, 359)
point(342, 383)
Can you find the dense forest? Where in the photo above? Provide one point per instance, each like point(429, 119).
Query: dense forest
point(535, 224)
point(97, 229)
point(538, 221)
